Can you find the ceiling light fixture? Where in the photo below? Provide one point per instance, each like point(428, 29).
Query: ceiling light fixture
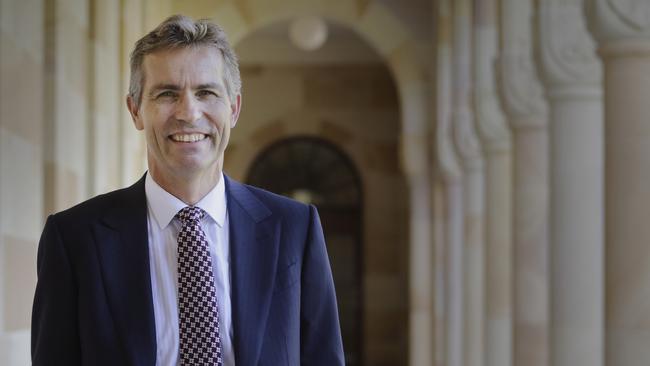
point(308, 33)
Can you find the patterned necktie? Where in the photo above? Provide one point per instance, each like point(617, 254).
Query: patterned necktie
point(200, 344)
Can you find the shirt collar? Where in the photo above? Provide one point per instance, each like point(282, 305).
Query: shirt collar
point(165, 206)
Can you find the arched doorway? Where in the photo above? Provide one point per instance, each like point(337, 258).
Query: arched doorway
point(315, 171)
point(397, 292)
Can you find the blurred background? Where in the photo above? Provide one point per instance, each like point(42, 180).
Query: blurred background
point(480, 166)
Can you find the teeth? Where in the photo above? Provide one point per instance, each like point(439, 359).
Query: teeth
point(194, 137)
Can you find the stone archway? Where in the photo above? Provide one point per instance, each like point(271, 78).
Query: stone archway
point(354, 107)
point(397, 47)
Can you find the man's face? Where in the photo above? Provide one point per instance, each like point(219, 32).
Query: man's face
point(185, 112)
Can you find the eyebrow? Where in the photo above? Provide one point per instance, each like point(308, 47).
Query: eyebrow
point(159, 87)
point(210, 86)
point(175, 87)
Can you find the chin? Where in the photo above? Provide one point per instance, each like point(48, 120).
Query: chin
point(195, 167)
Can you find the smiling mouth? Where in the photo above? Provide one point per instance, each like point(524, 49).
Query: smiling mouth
point(188, 137)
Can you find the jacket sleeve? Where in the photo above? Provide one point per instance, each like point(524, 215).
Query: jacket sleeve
point(55, 338)
point(320, 333)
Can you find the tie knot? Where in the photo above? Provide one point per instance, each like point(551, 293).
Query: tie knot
point(190, 214)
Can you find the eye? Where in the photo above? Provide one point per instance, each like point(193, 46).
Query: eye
point(206, 94)
point(166, 94)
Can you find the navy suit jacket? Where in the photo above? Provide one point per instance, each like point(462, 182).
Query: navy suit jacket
point(93, 303)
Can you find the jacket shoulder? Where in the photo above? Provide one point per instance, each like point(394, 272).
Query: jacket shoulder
point(276, 202)
point(90, 209)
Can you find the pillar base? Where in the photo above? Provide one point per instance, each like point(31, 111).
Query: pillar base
point(15, 348)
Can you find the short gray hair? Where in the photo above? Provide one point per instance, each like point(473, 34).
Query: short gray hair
point(179, 31)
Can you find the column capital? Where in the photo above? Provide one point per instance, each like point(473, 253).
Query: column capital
point(449, 166)
point(467, 142)
point(612, 21)
point(567, 52)
point(492, 126)
point(465, 134)
point(521, 91)
point(447, 158)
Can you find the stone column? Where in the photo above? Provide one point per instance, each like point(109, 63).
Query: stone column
point(67, 50)
point(117, 153)
point(440, 270)
point(527, 114)
point(451, 174)
point(572, 76)
point(470, 153)
point(416, 165)
point(622, 29)
point(495, 139)
point(455, 333)
point(106, 98)
point(133, 150)
point(420, 258)
point(22, 77)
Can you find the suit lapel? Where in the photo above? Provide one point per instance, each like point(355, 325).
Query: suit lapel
point(254, 235)
point(123, 247)
point(122, 242)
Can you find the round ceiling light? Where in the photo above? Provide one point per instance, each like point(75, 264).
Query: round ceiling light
point(308, 33)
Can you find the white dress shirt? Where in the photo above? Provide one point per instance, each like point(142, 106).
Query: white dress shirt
point(163, 231)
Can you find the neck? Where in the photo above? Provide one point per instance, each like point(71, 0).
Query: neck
point(191, 189)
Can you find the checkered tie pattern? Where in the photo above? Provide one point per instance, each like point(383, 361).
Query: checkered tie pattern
point(200, 344)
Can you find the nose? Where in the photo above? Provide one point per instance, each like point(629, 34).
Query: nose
point(188, 109)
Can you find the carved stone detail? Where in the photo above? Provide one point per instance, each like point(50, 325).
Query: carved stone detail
point(494, 131)
point(449, 165)
point(568, 53)
point(448, 161)
point(465, 135)
point(447, 157)
point(492, 125)
point(467, 142)
point(522, 92)
point(614, 20)
point(635, 13)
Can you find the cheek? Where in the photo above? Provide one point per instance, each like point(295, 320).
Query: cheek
point(157, 121)
point(225, 127)
point(220, 122)
point(155, 130)
point(151, 137)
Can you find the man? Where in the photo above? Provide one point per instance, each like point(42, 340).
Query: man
point(185, 267)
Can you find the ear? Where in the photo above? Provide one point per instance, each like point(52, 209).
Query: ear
point(135, 112)
point(235, 108)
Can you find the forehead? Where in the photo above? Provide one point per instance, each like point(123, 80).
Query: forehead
point(200, 64)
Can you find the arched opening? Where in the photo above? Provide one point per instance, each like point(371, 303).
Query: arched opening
point(315, 171)
point(343, 93)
